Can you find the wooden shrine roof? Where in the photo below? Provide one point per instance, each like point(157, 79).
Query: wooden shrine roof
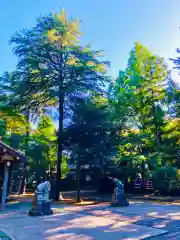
point(7, 153)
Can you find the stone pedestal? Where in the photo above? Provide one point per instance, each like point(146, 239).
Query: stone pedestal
point(119, 200)
point(36, 209)
point(46, 208)
point(41, 209)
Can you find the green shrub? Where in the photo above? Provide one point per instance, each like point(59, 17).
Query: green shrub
point(165, 180)
point(173, 186)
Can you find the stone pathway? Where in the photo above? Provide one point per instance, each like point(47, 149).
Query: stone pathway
point(100, 222)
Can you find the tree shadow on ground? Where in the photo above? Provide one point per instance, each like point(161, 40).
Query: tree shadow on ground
point(137, 221)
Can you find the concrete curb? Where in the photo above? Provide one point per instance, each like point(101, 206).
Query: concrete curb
point(152, 199)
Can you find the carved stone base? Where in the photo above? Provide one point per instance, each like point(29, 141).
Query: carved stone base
point(41, 209)
point(118, 204)
point(46, 208)
point(119, 201)
point(36, 210)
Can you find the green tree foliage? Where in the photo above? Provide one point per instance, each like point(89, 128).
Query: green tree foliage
point(11, 121)
point(140, 95)
point(42, 144)
point(92, 137)
point(134, 126)
point(52, 66)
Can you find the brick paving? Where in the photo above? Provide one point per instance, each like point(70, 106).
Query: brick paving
point(101, 222)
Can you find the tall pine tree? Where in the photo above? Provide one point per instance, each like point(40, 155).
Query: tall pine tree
point(52, 67)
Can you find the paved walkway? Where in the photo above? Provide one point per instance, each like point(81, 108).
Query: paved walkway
point(100, 222)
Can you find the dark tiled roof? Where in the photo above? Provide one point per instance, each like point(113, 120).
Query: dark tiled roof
point(11, 151)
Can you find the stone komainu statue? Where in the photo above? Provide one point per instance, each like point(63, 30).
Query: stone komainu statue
point(119, 192)
point(41, 204)
point(43, 191)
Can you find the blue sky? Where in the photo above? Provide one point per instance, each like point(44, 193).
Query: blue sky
point(111, 25)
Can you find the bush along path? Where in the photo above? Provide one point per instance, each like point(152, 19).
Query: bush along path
point(3, 236)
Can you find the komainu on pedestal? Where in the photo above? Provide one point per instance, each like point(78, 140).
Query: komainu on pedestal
point(118, 197)
point(41, 204)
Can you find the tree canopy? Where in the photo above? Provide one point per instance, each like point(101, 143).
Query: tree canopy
point(132, 121)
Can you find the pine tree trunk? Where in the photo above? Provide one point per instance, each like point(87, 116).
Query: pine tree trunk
point(22, 186)
point(157, 127)
point(78, 197)
point(60, 144)
point(143, 170)
point(23, 181)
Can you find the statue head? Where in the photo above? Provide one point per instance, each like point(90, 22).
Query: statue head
point(44, 186)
